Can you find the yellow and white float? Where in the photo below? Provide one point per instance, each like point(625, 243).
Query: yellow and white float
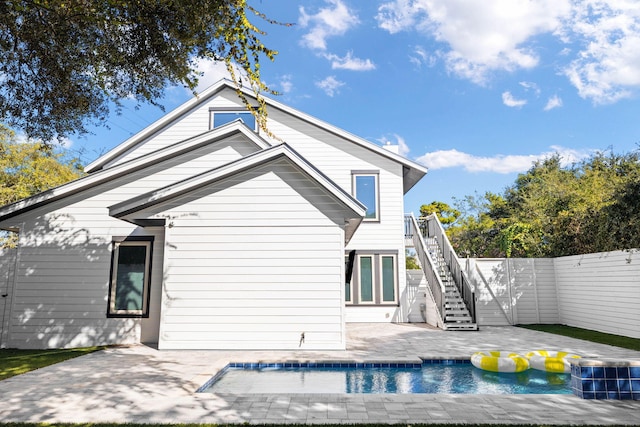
point(499, 361)
point(551, 361)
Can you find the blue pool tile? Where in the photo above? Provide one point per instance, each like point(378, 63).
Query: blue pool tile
point(599, 385)
point(586, 372)
point(598, 372)
point(635, 386)
point(610, 373)
point(634, 372)
point(612, 385)
point(587, 385)
point(624, 385)
point(613, 395)
point(601, 395)
point(588, 395)
point(626, 396)
point(623, 372)
point(635, 396)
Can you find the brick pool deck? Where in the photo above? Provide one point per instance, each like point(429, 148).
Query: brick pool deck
point(142, 385)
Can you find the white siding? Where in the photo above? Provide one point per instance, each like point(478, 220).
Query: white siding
point(7, 267)
point(190, 124)
point(63, 270)
point(601, 291)
point(337, 159)
point(60, 298)
point(251, 269)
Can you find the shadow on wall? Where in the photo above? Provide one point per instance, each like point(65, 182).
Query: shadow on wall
point(501, 286)
point(60, 293)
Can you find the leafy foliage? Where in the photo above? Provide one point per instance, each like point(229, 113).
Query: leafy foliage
point(30, 167)
point(551, 210)
point(445, 213)
point(27, 168)
point(65, 62)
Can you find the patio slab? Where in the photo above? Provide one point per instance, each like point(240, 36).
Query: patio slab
point(142, 384)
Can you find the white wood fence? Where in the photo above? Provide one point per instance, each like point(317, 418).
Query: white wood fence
point(598, 291)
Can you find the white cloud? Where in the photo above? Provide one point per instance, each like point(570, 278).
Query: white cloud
point(601, 38)
point(348, 62)
point(212, 71)
point(331, 86)
point(531, 86)
point(482, 36)
point(421, 57)
point(554, 102)
point(403, 148)
point(510, 101)
point(286, 84)
point(66, 143)
point(333, 20)
point(500, 163)
point(607, 69)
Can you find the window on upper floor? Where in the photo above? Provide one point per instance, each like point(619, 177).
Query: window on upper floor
point(221, 117)
point(130, 278)
point(366, 191)
point(373, 280)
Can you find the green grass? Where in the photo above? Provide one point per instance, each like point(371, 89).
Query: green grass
point(16, 362)
point(588, 335)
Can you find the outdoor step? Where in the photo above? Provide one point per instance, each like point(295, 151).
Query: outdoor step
point(461, 327)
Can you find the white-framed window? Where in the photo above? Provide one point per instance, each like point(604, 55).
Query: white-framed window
point(130, 277)
point(365, 185)
point(219, 117)
point(374, 279)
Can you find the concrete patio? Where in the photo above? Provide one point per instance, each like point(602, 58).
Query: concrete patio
point(144, 385)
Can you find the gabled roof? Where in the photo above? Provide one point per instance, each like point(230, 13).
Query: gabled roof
point(354, 210)
point(122, 169)
point(413, 171)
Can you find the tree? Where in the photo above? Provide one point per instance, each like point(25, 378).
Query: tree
point(445, 213)
point(28, 168)
point(554, 210)
point(64, 62)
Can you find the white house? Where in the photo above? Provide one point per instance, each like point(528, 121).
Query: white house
point(202, 232)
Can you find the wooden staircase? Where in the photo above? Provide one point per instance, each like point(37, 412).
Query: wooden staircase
point(447, 284)
point(456, 316)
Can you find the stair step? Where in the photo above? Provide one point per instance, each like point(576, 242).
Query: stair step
point(461, 327)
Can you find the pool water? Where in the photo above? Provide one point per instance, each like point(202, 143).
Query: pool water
point(426, 378)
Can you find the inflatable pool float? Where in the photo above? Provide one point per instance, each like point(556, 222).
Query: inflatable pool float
point(499, 361)
point(551, 361)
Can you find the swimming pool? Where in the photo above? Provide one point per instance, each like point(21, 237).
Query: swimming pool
point(455, 377)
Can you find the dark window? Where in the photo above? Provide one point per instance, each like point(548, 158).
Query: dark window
point(130, 278)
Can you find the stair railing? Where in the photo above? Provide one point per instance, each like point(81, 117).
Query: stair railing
point(436, 287)
point(432, 227)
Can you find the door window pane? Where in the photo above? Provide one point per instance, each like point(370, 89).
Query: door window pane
point(388, 279)
point(366, 279)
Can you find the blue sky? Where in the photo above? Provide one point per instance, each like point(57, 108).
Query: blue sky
point(475, 90)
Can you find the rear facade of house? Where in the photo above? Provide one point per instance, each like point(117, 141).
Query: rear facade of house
point(203, 232)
